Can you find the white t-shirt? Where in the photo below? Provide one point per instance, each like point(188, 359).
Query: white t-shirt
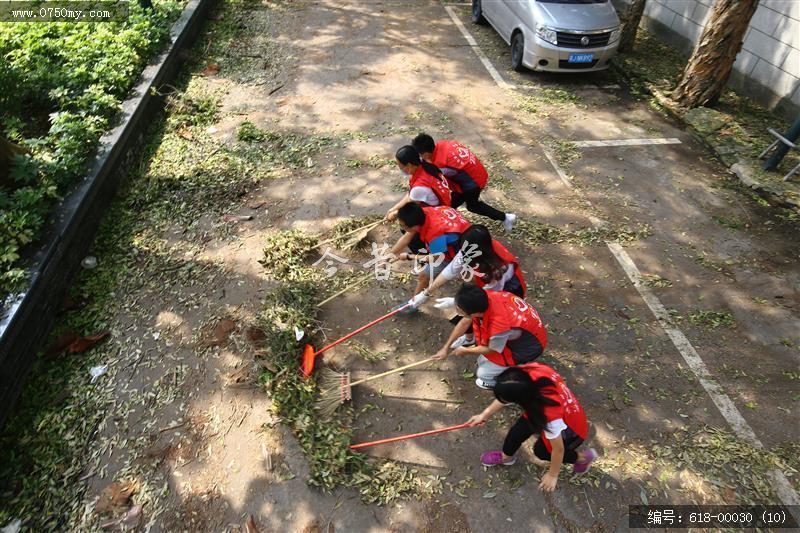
point(456, 266)
point(424, 194)
point(554, 428)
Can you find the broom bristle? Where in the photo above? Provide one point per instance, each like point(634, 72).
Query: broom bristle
point(335, 387)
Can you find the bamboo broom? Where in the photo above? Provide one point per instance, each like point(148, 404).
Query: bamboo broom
point(336, 386)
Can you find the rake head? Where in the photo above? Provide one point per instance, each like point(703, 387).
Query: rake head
point(335, 387)
point(307, 365)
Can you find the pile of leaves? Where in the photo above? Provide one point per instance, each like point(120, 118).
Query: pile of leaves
point(286, 148)
point(709, 465)
point(535, 233)
point(323, 441)
point(710, 319)
point(61, 85)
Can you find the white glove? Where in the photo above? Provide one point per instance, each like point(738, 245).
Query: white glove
point(419, 299)
point(445, 303)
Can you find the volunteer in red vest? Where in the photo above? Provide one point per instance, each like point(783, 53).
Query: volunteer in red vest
point(439, 229)
point(507, 332)
point(426, 184)
point(484, 261)
point(550, 409)
point(466, 175)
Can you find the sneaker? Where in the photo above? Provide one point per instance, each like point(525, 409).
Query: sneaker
point(463, 340)
point(494, 458)
point(582, 466)
point(508, 223)
point(482, 384)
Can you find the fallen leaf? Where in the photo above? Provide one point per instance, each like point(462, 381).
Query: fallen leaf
point(489, 494)
point(218, 334)
point(250, 525)
point(61, 343)
point(83, 344)
point(210, 70)
point(114, 498)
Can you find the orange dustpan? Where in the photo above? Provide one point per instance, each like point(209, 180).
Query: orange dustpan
point(310, 356)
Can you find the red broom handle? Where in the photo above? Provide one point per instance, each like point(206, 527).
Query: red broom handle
point(407, 437)
point(359, 330)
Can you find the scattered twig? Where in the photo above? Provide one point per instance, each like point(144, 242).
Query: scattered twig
point(176, 426)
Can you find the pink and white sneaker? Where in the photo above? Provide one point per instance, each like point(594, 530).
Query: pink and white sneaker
point(581, 467)
point(494, 458)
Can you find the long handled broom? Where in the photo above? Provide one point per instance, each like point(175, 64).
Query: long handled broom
point(352, 242)
point(407, 437)
point(336, 386)
point(310, 356)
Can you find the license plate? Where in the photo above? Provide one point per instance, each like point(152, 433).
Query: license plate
point(580, 58)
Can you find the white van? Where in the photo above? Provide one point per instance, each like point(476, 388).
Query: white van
point(554, 35)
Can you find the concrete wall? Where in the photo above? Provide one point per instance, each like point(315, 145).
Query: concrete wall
point(768, 66)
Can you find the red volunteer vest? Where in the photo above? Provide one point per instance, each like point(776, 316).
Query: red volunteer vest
point(568, 409)
point(507, 311)
point(421, 178)
point(455, 155)
point(507, 258)
point(440, 220)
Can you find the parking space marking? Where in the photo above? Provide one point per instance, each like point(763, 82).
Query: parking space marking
point(626, 142)
point(474, 44)
point(582, 87)
point(721, 400)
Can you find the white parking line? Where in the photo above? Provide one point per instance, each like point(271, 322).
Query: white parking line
point(614, 86)
point(626, 142)
point(474, 44)
point(724, 404)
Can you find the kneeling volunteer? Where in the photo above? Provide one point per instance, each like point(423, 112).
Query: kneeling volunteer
point(507, 332)
point(438, 229)
point(549, 408)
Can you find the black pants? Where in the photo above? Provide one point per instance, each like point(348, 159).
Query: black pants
point(475, 204)
point(522, 431)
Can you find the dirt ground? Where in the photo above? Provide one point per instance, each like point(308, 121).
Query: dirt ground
point(189, 421)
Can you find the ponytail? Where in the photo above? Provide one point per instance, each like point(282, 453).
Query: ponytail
point(488, 262)
point(516, 386)
point(409, 155)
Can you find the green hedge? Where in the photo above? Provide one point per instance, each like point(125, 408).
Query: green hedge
point(61, 84)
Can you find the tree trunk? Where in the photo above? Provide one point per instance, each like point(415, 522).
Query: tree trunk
point(707, 72)
point(633, 16)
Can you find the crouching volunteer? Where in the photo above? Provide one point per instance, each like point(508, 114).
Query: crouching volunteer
point(549, 408)
point(466, 174)
point(439, 230)
point(426, 184)
point(507, 331)
point(480, 259)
